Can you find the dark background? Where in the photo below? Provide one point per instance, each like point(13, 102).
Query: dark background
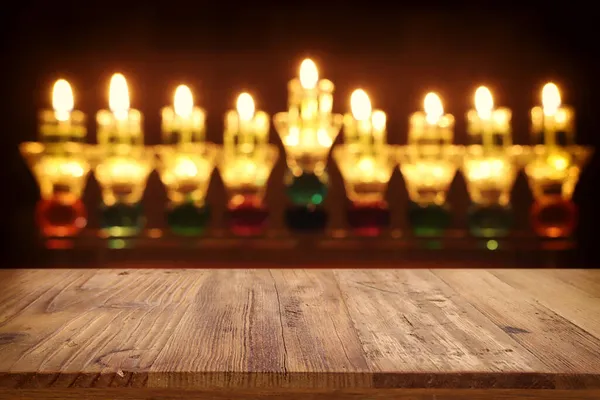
point(396, 53)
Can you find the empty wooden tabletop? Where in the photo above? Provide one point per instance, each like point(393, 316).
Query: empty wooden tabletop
point(300, 329)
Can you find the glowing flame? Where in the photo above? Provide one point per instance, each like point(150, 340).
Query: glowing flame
point(484, 102)
point(183, 101)
point(245, 107)
point(309, 75)
point(62, 99)
point(433, 108)
point(118, 96)
point(550, 99)
point(378, 120)
point(361, 105)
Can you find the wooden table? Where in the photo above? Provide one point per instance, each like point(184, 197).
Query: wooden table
point(300, 334)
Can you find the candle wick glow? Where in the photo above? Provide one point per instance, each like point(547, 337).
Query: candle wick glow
point(434, 109)
point(309, 74)
point(62, 100)
point(360, 105)
point(245, 107)
point(550, 99)
point(118, 98)
point(484, 102)
point(183, 102)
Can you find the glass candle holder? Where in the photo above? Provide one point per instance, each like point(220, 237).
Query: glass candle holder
point(552, 173)
point(122, 172)
point(307, 145)
point(490, 175)
point(61, 177)
point(245, 177)
point(366, 177)
point(185, 170)
point(428, 171)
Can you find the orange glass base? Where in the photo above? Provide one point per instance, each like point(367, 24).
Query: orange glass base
point(61, 216)
point(554, 217)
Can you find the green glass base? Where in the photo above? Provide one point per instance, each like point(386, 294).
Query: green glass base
point(122, 220)
point(188, 219)
point(306, 189)
point(490, 221)
point(428, 220)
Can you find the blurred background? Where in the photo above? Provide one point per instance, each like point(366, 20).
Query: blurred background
point(396, 53)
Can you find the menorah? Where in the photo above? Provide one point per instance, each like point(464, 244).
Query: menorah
point(62, 160)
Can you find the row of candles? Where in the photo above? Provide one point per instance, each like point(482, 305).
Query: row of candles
point(121, 162)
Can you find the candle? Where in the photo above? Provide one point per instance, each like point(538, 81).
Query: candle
point(552, 118)
point(61, 124)
point(488, 122)
point(251, 127)
point(431, 126)
point(364, 126)
point(310, 102)
point(184, 122)
point(121, 125)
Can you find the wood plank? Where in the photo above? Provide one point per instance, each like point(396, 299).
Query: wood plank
point(410, 321)
point(287, 330)
point(393, 394)
point(557, 342)
point(87, 330)
point(568, 301)
point(583, 279)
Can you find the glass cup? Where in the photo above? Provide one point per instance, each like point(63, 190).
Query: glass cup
point(245, 177)
point(366, 177)
point(428, 171)
point(122, 172)
point(185, 170)
point(552, 174)
point(490, 175)
point(61, 173)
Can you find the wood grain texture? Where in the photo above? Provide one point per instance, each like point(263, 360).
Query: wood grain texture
point(301, 332)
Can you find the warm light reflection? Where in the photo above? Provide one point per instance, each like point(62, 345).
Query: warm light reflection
point(245, 107)
point(433, 108)
point(550, 99)
point(183, 102)
point(378, 119)
point(118, 97)
point(309, 75)
point(360, 105)
point(484, 102)
point(62, 100)
point(185, 168)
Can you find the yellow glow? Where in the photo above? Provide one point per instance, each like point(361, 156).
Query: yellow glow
point(118, 96)
point(558, 162)
point(183, 101)
point(62, 99)
point(433, 108)
point(379, 119)
point(550, 99)
point(185, 168)
point(484, 102)
point(245, 106)
point(309, 74)
point(361, 105)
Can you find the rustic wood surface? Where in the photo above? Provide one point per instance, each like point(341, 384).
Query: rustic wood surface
point(301, 331)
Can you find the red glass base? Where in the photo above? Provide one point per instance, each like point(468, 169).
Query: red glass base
point(60, 216)
point(247, 216)
point(368, 219)
point(554, 217)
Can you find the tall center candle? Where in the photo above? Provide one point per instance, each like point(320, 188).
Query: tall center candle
point(184, 122)
point(431, 127)
point(488, 122)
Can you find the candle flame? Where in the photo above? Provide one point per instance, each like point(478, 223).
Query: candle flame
point(550, 99)
point(183, 103)
point(378, 119)
point(361, 105)
point(118, 97)
point(309, 74)
point(433, 108)
point(484, 102)
point(62, 99)
point(245, 107)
